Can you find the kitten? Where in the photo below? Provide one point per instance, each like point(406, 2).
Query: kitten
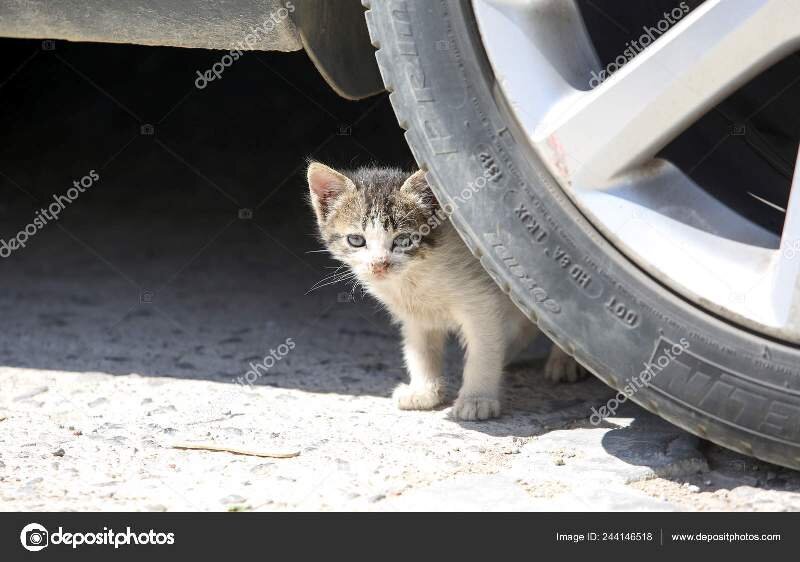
point(372, 220)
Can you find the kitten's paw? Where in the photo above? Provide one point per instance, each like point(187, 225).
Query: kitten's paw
point(561, 367)
point(409, 397)
point(472, 408)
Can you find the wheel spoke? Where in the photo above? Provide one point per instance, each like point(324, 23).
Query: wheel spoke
point(626, 120)
point(786, 285)
point(546, 35)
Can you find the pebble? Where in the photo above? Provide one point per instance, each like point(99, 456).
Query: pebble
point(233, 498)
point(263, 468)
point(30, 394)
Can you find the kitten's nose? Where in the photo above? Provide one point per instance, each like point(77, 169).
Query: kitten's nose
point(379, 267)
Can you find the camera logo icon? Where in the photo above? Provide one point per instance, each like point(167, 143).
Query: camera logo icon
point(34, 537)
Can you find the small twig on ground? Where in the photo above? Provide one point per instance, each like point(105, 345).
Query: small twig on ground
point(236, 450)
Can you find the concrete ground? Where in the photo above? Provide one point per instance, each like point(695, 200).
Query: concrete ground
point(125, 325)
point(99, 382)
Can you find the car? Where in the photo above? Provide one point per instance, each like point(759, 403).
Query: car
point(635, 165)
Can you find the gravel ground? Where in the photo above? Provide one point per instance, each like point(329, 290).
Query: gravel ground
point(101, 375)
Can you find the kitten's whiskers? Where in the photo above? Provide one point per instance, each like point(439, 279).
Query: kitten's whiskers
point(332, 279)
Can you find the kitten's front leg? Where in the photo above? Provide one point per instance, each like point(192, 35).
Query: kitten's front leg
point(424, 351)
point(479, 397)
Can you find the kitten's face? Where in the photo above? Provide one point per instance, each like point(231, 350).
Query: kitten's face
point(375, 220)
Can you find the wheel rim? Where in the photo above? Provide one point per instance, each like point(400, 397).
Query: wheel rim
point(601, 144)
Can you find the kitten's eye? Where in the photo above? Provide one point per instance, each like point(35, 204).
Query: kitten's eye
point(356, 240)
point(403, 242)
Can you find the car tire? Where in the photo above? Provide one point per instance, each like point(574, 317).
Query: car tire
point(720, 381)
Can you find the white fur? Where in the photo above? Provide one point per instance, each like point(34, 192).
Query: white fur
point(440, 291)
point(449, 292)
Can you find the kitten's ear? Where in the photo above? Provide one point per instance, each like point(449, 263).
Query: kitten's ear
point(418, 186)
point(325, 185)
